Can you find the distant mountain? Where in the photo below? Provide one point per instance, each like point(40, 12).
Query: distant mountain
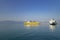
point(10, 22)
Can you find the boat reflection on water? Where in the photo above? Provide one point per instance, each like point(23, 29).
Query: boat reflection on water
point(31, 26)
point(52, 27)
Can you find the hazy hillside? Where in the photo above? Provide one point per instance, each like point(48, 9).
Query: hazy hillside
point(10, 22)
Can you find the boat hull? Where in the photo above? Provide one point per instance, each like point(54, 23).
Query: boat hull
point(52, 23)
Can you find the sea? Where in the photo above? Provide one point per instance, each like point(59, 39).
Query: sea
point(17, 31)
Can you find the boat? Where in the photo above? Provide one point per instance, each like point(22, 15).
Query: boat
point(52, 22)
point(31, 23)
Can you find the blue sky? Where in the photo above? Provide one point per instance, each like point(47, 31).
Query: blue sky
point(21, 10)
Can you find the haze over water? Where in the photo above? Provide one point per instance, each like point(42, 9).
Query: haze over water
point(21, 10)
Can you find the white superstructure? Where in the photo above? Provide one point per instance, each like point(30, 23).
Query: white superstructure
point(52, 21)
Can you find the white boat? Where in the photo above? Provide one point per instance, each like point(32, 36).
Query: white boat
point(52, 22)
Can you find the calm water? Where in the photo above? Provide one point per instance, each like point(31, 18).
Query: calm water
point(17, 31)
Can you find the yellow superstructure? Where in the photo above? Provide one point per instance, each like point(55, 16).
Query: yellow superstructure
point(31, 23)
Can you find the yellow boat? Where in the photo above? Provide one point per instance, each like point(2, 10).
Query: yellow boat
point(31, 23)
